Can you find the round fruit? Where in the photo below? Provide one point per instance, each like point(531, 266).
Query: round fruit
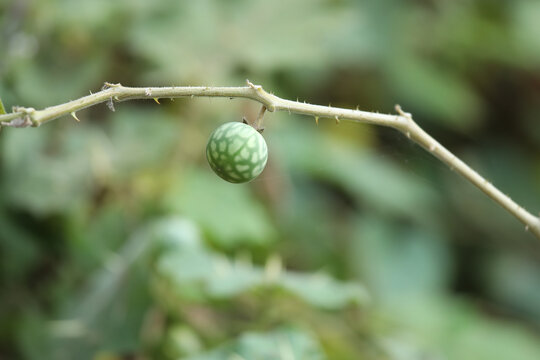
point(236, 152)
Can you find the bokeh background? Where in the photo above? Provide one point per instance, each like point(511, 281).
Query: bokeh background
point(118, 242)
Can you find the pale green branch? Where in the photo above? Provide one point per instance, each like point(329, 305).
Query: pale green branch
point(403, 122)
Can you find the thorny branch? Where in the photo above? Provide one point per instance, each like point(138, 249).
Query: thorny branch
point(403, 122)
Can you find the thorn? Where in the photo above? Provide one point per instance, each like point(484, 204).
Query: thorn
point(75, 116)
point(317, 120)
point(157, 101)
point(337, 120)
point(357, 108)
point(110, 104)
point(526, 227)
point(148, 92)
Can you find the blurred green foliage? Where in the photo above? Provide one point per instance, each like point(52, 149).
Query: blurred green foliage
point(118, 242)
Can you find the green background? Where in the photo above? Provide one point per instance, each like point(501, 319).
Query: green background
point(118, 242)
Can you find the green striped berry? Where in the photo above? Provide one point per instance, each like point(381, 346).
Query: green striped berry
point(236, 152)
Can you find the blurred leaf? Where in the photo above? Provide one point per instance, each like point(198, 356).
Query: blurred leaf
point(41, 182)
point(279, 344)
point(19, 250)
point(308, 215)
point(182, 340)
point(452, 329)
point(322, 291)
point(399, 262)
point(402, 348)
point(500, 275)
point(196, 271)
point(228, 213)
point(221, 33)
point(140, 138)
point(32, 335)
point(371, 179)
point(434, 92)
point(103, 234)
point(41, 88)
point(469, 33)
point(526, 28)
point(2, 110)
point(171, 234)
point(47, 172)
point(109, 310)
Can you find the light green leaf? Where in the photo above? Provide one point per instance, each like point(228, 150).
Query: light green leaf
point(398, 262)
point(2, 110)
point(228, 213)
point(198, 272)
point(452, 329)
point(278, 344)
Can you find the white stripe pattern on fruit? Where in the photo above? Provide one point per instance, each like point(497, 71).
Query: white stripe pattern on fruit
point(237, 152)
